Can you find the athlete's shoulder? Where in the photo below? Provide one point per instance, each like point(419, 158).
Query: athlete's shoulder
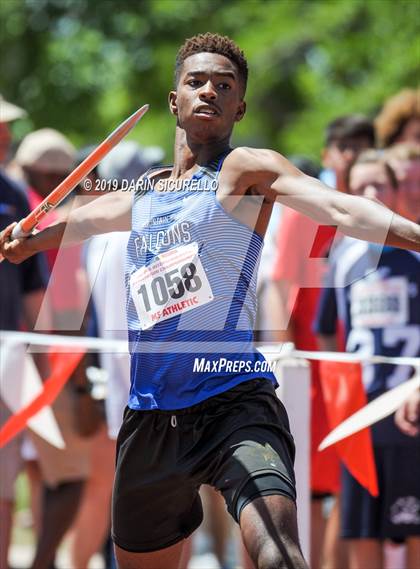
point(256, 168)
point(253, 159)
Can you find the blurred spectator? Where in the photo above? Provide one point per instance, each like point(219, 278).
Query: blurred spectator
point(405, 161)
point(21, 293)
point(46, 157)
point(299, 265)
point(22, 290)
point(407, 416)
point(378, 302)
point(345, 138)
point(399, 120)
point(8, 113)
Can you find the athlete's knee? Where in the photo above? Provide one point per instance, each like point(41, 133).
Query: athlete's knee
point(286, 556)
point(271, 558)
point(269, 530)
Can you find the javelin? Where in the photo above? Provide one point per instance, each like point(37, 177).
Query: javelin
point(26, 225)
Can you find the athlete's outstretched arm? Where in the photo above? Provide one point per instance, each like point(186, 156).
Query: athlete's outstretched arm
point(276, 178)
point(109, 212)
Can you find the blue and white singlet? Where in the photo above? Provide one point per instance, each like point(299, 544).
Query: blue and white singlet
point(191, 296)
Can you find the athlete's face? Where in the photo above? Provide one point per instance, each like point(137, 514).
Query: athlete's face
point(371, 181)
point(208, 100)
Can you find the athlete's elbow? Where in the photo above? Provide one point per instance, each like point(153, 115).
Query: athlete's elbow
point(349, 214)
point(341, 218)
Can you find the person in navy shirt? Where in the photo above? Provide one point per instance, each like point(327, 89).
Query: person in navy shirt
point(377, 298)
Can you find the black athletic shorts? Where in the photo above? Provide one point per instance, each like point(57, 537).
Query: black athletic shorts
point(238, 442)
point(395, 513)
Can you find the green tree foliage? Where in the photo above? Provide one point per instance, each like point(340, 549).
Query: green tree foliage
point(83, 65)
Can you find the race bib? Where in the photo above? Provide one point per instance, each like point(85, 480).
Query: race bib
point(377, 304)
point(174, 283)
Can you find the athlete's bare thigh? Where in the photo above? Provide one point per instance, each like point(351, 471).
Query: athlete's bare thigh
point(168, 558)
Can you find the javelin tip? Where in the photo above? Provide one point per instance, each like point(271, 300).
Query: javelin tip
point(141, 111)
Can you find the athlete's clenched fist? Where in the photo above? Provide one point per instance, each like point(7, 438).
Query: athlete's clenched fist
point(14, 250)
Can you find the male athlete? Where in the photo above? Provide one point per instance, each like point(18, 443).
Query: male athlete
point(201, 407)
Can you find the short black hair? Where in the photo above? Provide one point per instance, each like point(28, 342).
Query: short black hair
point(349, 126)
point(213, 43)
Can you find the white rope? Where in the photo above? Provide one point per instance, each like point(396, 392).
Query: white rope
point(85, 342)
point(272, 352)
